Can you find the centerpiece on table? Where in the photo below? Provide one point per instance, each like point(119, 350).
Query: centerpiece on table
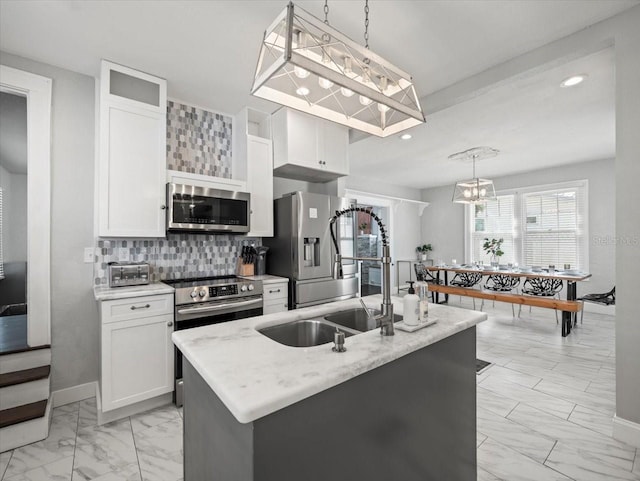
point(423, 250)
point(494, 248)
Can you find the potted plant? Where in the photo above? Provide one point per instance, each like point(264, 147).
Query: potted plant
point(493, 247)
point(362, 227)
point(423, 250)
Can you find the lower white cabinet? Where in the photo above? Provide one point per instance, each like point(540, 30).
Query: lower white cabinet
point(275, 297)
point(137, 361)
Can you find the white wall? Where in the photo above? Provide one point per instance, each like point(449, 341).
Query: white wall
point(74, 314)
point(443, 222)
point(14, 216)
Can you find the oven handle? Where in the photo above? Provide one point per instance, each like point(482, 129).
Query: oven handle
point(220, 307)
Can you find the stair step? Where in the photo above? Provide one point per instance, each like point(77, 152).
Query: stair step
point(25, 359)
point(19, 414)
point(27, 375)
point(25, 349)
point(27, 432)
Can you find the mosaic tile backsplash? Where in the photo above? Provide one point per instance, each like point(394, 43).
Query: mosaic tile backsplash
point(198, 141)
point(177, 257)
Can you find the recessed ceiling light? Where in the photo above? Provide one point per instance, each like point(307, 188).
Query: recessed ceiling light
point(405, 136)
point(573, 80)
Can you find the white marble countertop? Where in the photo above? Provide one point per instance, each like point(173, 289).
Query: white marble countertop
point(255, 376)
point(110, 293)
point(266, 279)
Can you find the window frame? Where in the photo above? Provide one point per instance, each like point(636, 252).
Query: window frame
point(520, 216)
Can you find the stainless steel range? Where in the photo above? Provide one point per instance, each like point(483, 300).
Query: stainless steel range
point(211, 300)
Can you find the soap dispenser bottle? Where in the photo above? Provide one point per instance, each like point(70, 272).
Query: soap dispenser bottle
point(411, 307)
point(422, 289)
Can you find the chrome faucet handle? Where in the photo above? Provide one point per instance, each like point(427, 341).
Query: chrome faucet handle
point(366, 309)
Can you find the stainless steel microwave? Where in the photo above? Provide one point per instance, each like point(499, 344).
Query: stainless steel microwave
point(196, 209)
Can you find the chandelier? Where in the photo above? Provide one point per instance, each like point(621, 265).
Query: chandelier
point(306, 64)
point(476, 190)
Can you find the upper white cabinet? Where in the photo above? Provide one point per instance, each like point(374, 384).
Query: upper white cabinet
point(132, 153)
point(253, 161)
point(308, 148)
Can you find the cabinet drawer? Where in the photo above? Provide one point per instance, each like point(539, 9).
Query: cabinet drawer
point(274, 291)
point(276, 305)
point(136, 308)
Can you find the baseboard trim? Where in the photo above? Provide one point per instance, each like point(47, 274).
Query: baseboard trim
point(626, 431)
point(135, 408)
point(74, 394)
point(599, 308)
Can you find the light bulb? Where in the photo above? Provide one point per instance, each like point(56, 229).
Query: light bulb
point(483, 192)
point(383, 84)
point(475, 192)
point(365, 100)
point(467, 193)
point(383, 108)
point(302, 91)
point(325, 57)
point(346, 92)
point(348, 70)
point(324, 83)
point(300, 72)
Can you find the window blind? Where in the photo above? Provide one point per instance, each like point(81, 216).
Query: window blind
point(552, 227)
point(494, 220)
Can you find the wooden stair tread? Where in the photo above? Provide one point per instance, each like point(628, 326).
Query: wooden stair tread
point(27, 375)
point(25, 349)
point(26, 412)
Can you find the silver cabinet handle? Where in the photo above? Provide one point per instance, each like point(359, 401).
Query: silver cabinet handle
point(271, 291)
point(163, 207)
point(170, 323)
point(146, 306)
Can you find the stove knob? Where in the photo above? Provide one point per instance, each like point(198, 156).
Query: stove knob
point(251, 287)
point(193, 294)
point(243, 288)
point(202, 293)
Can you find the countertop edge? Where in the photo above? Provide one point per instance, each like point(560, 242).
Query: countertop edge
point(103, 293)
point(273, 397)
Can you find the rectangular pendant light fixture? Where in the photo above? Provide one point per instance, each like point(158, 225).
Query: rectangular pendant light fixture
point(307, 65)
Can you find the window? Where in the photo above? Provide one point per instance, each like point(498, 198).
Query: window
point(494, 219)
point(540, 226)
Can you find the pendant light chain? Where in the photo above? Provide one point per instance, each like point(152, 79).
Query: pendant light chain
point(326, 12)
point(366, 23)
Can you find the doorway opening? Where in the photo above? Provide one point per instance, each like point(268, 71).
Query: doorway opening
point(369, 244)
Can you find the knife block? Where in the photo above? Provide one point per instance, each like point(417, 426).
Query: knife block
point(244, 269)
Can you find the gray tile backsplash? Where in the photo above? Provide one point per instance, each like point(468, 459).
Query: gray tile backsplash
point(198, 142)
point(177, 257)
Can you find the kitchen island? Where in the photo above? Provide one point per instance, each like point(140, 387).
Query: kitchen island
point(401, 407)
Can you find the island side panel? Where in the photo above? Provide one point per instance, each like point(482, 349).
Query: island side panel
point(216, 446)
point(411, 419)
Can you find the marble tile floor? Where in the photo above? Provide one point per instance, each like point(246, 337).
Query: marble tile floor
point(544, 413)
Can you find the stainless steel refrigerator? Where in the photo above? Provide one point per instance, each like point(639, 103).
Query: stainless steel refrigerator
point(302, 250)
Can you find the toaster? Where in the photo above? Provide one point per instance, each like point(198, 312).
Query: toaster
point(128, 274)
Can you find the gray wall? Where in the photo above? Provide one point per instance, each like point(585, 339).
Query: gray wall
point(443, 221)
point(74, 314)
point(14, 215)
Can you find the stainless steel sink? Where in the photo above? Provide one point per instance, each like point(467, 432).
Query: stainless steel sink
point(304, 333)
point(357, 319)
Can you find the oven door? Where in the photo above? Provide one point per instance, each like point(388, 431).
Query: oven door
point(205, 314)
point(201, 209)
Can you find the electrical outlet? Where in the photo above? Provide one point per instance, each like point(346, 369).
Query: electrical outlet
point(123, 254)
point(88, 255)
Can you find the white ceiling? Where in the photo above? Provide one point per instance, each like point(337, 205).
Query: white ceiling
point(207, 51)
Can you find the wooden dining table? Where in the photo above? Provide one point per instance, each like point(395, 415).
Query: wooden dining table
point(571, 279)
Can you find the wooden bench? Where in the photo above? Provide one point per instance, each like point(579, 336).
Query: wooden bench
point(535, 301)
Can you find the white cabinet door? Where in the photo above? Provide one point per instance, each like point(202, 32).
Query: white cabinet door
point(137, 360)
point(260, 185)
point(308, 148)
point(275, 298)
point(132, 165)
point(334, 145)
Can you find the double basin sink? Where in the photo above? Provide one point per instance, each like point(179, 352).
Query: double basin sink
point(317, 331)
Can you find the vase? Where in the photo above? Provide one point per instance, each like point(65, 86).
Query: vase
point(495, 262)
point(424, 257)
